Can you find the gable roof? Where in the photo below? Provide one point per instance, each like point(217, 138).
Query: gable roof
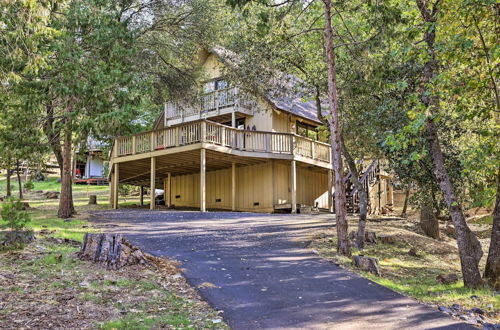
point(292, 102)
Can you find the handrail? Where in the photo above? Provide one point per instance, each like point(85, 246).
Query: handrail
point(369, 173)
point(215, 133)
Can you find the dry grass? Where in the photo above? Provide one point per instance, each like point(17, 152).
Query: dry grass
point(416, 276)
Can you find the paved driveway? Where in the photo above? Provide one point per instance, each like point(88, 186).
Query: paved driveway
point(265, 276)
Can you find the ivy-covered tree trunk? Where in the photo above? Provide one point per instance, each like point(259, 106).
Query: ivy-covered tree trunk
point(52, 131)
point(20, 184)
point(8, 191)
point(469, 247)
point(343, 244)
point(363, 197)
point(66, 208)
point(492, 270)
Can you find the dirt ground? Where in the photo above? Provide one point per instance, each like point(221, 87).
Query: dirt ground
point(45, 286)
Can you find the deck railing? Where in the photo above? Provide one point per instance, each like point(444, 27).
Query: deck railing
point(208, 103)
point(218, 134)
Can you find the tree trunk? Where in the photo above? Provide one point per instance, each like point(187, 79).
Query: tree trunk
point(492, 270)
point(110, 250)
point(9, 187)
point(363, 196)
point(19, 182)
point(66, 208)
point(469, 247)
point(405, 204)
point(343, 244)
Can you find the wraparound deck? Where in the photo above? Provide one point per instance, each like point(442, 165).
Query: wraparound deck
point(209, 135)
point(202, 146)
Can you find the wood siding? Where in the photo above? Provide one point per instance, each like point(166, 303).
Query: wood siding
point(257, 189)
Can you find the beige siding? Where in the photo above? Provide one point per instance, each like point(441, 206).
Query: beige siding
point(281, 122)
point(255, 184)
point(212, 67)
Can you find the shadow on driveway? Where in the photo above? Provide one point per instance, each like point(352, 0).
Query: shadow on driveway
point(265, 277)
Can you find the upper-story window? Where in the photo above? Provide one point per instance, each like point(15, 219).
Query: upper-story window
point(306, 130)
point(221, 84)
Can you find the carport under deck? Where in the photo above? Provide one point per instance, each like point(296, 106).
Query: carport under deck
point(153, 158)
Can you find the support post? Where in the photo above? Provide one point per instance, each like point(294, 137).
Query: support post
point(111, 185)
point(233, 186)
point(390, 196)
point(153, 185)
point(294, 186)
point(233, 119)
point(142, 195)
point(116, 178)
point(203, 180)
point(168, 196)
point(330, 191)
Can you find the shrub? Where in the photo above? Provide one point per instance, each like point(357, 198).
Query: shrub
point(29, 185)
point(14, 215)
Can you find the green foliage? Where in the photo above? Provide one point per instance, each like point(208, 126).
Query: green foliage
point(14, 215)
point(29, 185)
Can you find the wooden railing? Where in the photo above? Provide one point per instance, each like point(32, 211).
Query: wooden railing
point(218, 134)
point(208, 102)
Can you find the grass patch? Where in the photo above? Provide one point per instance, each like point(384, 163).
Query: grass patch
point(64, 292)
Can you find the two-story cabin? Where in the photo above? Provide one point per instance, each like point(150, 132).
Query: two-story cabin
point(227, 150)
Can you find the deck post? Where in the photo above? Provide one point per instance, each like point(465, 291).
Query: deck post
point(390, 199)
point(133, 145)
point(203, 166)
point(294, 186)
point(330, 191)
point(142, 195)
point(233, 186)
point(111, 185)
point(233, 119)
point(152, 184)
point(116, 179)
point(168, 198)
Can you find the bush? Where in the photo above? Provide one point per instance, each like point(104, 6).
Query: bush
point(29, 185)
point(14, 215)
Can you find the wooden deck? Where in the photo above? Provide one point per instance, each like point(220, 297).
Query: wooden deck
point(204, 134)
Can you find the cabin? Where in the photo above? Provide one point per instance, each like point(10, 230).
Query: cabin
point(228, 150)
point(89, 165)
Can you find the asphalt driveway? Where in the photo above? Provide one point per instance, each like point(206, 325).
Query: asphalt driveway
point(264, 275)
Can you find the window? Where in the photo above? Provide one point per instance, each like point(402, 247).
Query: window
point(221, 84)
point(306, 130)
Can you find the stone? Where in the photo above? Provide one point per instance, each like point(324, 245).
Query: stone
point(490, 306)
point(52, 195)
point(473, 297)
point(413, 252)
point(16, 237)
point(429, 222)
point(387, 239)
point(445, 310)
point(456, 307)
point(370, 237)
point(491, 326)
point(38, 191)
point(447, 278)
point(477, 310)
point(449, 230)
point(367, 264)
point(68, 220)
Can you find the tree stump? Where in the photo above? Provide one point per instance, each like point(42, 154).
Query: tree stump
point(111, 251)
point(92, 200)
point(429, 222)
point(367, 264)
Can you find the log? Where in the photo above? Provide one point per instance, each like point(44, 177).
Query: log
point(92, 200)
point(111, 251)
